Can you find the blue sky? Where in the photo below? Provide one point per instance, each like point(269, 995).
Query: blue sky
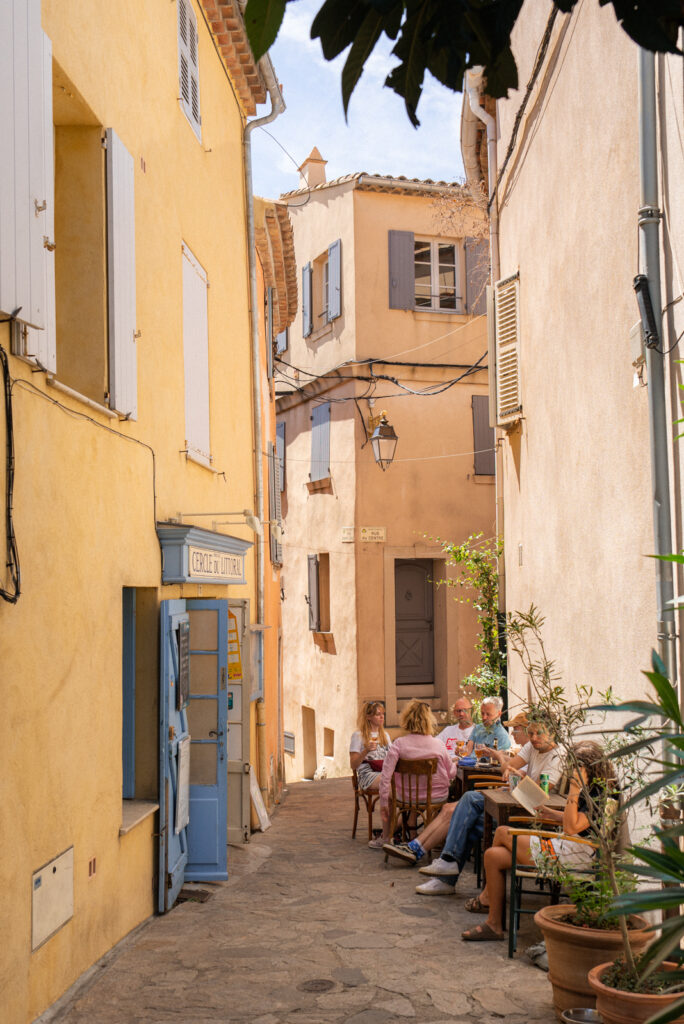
point(378, 137)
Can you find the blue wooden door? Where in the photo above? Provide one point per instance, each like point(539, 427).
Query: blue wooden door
point(174, 749)
point(207, 724)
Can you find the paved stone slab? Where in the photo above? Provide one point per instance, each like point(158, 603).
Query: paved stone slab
point(305, 902)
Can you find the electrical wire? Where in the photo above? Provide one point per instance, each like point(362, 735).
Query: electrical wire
point(287, 153)
point(13, 566)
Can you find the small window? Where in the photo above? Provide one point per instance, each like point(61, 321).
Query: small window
point(188, 66)
point(322, 289)
point(436, 275)
point(328, 743)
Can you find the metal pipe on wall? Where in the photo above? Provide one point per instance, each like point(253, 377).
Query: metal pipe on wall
point(649, 265)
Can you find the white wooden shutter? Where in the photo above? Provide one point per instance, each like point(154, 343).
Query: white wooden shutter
point(196, 357)
point(275, 514)
point(188, 65)
point(334, 303)
point(123, 360)
point(507, 328)
point(307, 313)
point(312, 599)
point(26, 181)
point(281, 448)
point(320, 442)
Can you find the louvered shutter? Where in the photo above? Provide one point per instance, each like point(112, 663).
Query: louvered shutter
point(282, 341)
point(269, 333)
point(483, 437)
point(334, 302)
point(401, 270)
point(123, 358)
point(275, 514)
point(477, 274)
point(314, 609)
point(280, 448)
point(307, 318)
point(188, 65)
point(507, 333)
point(26, 178)
point(320, 442)
point(196, 357)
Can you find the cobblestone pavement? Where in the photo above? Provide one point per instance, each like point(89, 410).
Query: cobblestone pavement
point(312, 928)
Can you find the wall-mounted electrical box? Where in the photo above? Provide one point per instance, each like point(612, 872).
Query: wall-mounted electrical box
point(52, 891)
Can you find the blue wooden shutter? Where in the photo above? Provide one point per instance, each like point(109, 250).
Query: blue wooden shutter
point(281, 341)
point(307, 318)
point(483, 437)
point(320, 442)
point(280, 448)
point(123, 358)
point(26, 183)
point(334, 280)
point(401, 270)
point(269, 333)
point(312, 599)
point(476, 274)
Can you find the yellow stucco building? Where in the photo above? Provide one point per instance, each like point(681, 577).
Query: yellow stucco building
point(137, 588)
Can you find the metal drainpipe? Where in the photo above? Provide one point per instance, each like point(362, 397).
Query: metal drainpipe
point(277, 107)
point(649, 264)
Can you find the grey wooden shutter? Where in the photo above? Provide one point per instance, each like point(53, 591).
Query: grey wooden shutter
point(476, 274)
point(269, 333)
point(282, 341)
point(123, 358)
point(401, 270)
point(334, 280)
point(26, 177)
point(280, 448)
point(196, 357)
point(307, 317)
point(483, 437)
point(320, 442)
point(275, 514)
point(188, 65)
point(314, 608)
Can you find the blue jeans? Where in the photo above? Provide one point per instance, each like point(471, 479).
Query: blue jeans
point(467, 826)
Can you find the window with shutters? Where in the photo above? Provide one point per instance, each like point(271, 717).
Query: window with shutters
point(275, 514)
point(507, 345)
point(322, 290)
point(483, 437)
point(196, 358)
point(436, 274)
point(318, 596)
point(188, 66)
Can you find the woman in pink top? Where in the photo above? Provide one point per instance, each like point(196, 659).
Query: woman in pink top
point(418, 741)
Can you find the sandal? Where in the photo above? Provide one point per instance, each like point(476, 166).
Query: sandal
point(482, 933)
point(475, 906)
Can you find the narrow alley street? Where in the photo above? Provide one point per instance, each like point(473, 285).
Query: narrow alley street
point(311, 927)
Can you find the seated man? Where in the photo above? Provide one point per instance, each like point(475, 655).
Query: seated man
point(435, 833)
point(451, 735)
point(467, 821)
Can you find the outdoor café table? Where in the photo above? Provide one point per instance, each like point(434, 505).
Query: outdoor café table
point(500, 805)
point(464, 772)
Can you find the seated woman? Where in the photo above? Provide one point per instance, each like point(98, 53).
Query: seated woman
point(418, 742)
point(589, 789)
point(369, 746)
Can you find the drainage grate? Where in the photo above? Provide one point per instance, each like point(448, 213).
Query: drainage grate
point(194, 896)
point(316, 985)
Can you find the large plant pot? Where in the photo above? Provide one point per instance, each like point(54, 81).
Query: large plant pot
point(573, 951)
point(618, 1007)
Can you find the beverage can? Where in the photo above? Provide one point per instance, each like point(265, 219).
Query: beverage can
point(544, 782)
point(513, 781)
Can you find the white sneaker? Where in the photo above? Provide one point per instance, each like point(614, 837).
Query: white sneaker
point(378, 843)
point(436, 887)
point(441, 867)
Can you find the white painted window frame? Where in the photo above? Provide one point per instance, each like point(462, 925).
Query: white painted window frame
point(435, 293)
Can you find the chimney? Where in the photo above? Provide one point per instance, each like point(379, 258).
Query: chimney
point(312, 171)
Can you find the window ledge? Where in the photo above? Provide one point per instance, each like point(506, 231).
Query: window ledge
point(484, 478)
point(133, 812)
point(322, 486)
point(424, 314)
point(325, 641)
point(90, 402)
point(321, 332)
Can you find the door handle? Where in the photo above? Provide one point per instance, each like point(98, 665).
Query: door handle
point(213, 732)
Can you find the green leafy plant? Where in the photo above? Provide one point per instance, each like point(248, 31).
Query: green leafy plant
point(477, 560)
point(593, 896)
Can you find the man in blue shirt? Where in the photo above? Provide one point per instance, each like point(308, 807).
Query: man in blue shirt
point(491, 728)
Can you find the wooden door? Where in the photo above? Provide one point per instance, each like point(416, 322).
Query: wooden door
point(414, 628)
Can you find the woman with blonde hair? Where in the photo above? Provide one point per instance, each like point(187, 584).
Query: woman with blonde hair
point(369, 745)
point(417, 742)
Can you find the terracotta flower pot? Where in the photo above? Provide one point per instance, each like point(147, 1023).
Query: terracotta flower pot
point(618, 1007)
point(573, 951)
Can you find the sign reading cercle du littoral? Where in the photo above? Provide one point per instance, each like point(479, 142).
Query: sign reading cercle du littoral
point(373, 534)
point(215, 565)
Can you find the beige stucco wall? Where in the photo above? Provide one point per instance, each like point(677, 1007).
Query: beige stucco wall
point(83, 505)
point(577, 474)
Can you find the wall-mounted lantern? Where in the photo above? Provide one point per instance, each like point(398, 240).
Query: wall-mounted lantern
point(384, 442)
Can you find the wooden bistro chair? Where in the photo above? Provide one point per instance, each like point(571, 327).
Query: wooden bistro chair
point(520, 872)
point(415, 775)
point(369, 799)
point(482, 782)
